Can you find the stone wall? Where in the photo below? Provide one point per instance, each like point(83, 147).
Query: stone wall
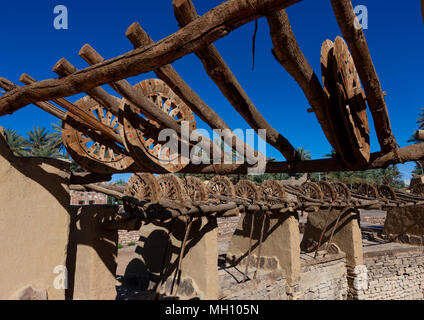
point(395, 272)
point(323, 278)
point(126, 237)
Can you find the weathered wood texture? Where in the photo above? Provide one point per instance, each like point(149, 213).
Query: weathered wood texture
point(212, 26)
point(221, 74)
point(358, 47)
point(45, 106)
point(167, 74)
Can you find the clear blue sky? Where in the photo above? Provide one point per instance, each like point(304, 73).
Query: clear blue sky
point(30, 44)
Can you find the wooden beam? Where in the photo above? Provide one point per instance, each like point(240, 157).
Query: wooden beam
point(221, 74)
point(419, 135)
point(167, 74)
point(378, 160)
point(45, 106)
point(358, 46)
point(81, 114)
point(212, 26)
point(288, 53)
point(88, 177)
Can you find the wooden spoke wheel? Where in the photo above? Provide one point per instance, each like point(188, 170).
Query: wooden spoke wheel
point(272, 192)
point(143, 140)
point(247, 190)
point(367, 190)
point(195, 188)
point(171, 187)
point(386, 192)
point(91, 150)
point(347, 107)
point(342, 191)
point(221, 186)
point(328, 190)
point(144, 187)
point(311, 190)
point(418, 189)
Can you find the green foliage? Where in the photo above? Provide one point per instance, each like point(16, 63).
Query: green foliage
point(120, 246)
point(18, 144)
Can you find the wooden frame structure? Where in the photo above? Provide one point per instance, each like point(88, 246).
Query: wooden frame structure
point(197, 35)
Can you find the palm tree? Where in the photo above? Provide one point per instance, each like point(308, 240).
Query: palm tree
point(304, 154)
point(17, 143)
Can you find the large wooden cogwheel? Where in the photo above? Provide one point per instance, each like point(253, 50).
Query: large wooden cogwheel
point(99, 155)
point(171, 187)
point(144, 146)
point(328, 190)
point(311, 190)
point(418, 189)
point(195, 189)
point(246, 189)
point(144, 187)
point(386, 192)
point(367, 190)
point(272, 192)
point(220, 186)
point(342, 191)
point(347, 104)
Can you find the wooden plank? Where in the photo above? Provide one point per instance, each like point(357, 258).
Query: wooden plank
point(221, 74)
point(358, 47)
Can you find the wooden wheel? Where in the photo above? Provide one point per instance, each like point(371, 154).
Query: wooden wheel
point(98, 155)
point(272, 192)
point(311, 190)
point(195, 188)
point(171, 187)
point(342, 191)
point(247, 190)
point(418, 189)
point(386, 192)
point(328, 190)
point(144, 146)
point(221, 186)
point(144, 187)
point(367, 190)
point(347, 106)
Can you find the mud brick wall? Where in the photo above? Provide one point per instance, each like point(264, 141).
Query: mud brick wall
point(323, 278)
point(226, 228)
point(394, 274)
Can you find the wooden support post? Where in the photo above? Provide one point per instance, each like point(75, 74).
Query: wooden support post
point(355, 38)
point(139, 38)
point(221, 74)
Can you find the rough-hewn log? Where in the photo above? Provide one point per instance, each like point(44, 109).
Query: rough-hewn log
point(288, 53)
point(358, 46)
point(80, 113)
point(221, 74)
point(45, 106)
point(212, 26)
point(167, 74)
point(378, 160)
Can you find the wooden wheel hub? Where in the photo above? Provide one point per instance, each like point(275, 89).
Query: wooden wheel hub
point(144, 187)
point(272, 192)
point(386, 192)
point(246, 189)
point(342, 191)
point(311, 190)
point(195, 189)
point(221, 186)
point(145, 146)
point(171, 187)
point(328, 190)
